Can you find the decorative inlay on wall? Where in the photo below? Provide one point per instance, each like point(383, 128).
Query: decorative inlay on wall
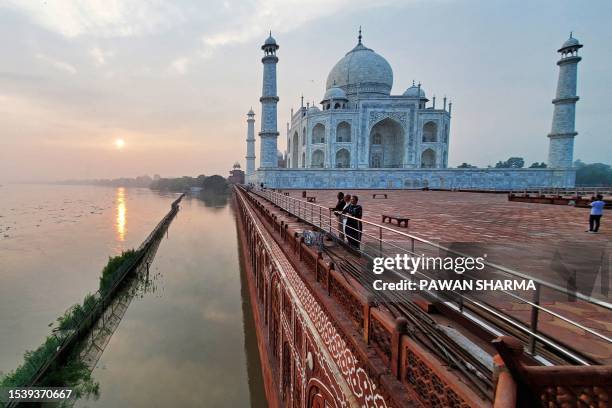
point(377, 116)
point(343, 371)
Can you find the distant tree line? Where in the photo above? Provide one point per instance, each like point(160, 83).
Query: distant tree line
point(588, 175)
point(511, 163)
point(593, 175)
point(214, 183)
point(140, 181)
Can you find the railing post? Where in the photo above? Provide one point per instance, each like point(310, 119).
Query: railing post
point(401, 327)
point(380, 241)
point(320, 216)
point(328, 279)
point(301, 241)
point(366, 318)
point(534, 320)
point(319, 257)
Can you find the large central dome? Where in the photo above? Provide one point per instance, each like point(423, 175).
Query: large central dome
point(362, 71)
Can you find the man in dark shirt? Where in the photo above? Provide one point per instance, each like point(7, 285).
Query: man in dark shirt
point(338, 209)
point(353, 223)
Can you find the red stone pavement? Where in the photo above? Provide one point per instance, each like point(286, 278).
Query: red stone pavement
point(524, 236)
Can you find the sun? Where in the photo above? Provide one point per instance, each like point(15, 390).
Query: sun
point(119, 144)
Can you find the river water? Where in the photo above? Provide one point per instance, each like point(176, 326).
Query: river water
point(188, 341)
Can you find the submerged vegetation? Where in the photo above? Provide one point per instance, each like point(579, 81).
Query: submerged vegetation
point(74, 373)
point(109, 273)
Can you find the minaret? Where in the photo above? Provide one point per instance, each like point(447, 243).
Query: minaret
point(250, 155)
point(269, 99)
point(561, 147)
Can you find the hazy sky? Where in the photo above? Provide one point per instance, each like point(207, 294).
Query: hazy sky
point(175, 79)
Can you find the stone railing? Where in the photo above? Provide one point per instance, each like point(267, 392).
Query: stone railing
point(407, 374)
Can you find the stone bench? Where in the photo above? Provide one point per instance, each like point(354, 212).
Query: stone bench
point(399, 218)
point(379, 194)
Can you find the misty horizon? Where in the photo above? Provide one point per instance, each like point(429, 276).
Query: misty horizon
point(95, 93)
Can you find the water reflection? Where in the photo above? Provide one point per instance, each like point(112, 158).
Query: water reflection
point(121, 214)
point(213, 199)
point(195, 335)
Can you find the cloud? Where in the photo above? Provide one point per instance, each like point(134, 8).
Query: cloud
point(57, 64)
point(100, 56)
point(180, 65)
point(280, 16)
point(100, 18)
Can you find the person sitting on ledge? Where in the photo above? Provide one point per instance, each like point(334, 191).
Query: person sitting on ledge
point(597, 207)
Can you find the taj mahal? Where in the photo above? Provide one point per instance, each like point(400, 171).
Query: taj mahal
point(362, 136)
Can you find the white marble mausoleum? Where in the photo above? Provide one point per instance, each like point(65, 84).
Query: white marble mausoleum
point(362, 136)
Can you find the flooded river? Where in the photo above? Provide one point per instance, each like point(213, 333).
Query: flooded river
point(186, 341)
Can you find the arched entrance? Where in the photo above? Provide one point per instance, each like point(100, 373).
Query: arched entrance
point(343, 159)
point(387, 144)
point(428, 159)
point(318, 159)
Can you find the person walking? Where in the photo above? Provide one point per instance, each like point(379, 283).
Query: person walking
point(597, 206)
point(353, 225)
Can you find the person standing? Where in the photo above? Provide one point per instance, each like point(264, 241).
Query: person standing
point(597, 206)
point(337, 210)
point(353, 225)
point(347, 203)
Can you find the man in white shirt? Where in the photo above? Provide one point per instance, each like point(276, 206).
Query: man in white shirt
point(597, 207)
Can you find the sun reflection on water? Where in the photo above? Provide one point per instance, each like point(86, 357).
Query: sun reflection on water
point(121, 214)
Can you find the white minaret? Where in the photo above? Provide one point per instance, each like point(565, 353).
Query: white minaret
point(250, 153)
point(561, 147)
point(269, 99)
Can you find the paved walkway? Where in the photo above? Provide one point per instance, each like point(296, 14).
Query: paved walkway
point(542, 240)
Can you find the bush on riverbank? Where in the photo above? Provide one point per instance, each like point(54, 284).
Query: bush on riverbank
point(74, 373)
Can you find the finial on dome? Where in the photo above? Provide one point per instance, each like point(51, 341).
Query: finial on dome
point(413, 82)
point(571, 33)
point(359, 36)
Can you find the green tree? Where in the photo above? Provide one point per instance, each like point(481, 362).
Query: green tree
point(215, 183)
point(594, 175)
point(537, 165)
point(465, 165)
point(511, 163)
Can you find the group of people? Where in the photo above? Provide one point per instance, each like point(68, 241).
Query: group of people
point(349, 215)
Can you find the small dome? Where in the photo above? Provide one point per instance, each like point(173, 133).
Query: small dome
point(334, 93)
point(250, 112)
point(236, 165)
point(313, 109)
point(270, 40)
point(571, 43)
point(415, 92)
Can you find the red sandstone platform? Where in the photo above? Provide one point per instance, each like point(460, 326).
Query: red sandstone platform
point(531, 238)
